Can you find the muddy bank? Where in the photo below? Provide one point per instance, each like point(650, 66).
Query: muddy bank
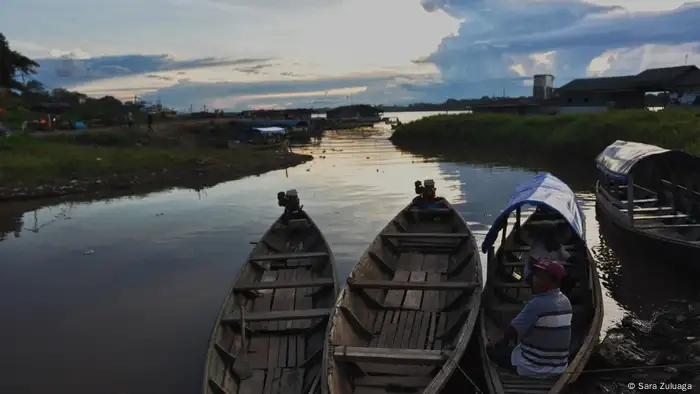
point(639, 356)
point(196, 173)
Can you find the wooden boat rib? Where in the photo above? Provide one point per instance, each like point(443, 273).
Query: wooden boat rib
point(506, 292)
point(652, 193)
point(405, 316)
point(287, 289)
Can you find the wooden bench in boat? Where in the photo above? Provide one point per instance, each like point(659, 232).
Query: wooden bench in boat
point(277, 315)
point(389, 356)
point(396, 285)
point(425, 235)
point(289, 256)
point(292, 284)
point(406, 382)
point(441, 211)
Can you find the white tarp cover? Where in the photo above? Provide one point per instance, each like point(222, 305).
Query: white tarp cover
point(620, 156)
point(544, 189)
point(270, 130)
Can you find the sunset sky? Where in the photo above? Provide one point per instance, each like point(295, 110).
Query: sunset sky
point(237, 54)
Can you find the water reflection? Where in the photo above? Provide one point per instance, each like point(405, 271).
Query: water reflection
point(135, 315)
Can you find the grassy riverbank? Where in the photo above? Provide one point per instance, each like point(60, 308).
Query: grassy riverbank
point(31, 167)
point(581, 136)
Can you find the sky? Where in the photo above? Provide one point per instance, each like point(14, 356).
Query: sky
point(241, 54)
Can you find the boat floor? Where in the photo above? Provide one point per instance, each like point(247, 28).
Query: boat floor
point(417, 321)
point(285, 327)
point(279, 360)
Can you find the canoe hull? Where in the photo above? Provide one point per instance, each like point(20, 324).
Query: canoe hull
point(407, 312)
point(287, 288)
point(683, 255)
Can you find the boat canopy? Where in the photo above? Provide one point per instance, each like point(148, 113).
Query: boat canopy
point(619, 157)
point(544, 189)
point(270, 130)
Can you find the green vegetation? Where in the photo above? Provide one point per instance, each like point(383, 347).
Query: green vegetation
point(191, 152)
point(581, 135)
point(29, 164)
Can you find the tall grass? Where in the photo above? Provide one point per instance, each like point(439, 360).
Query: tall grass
point(581, 135)
point(28, 161)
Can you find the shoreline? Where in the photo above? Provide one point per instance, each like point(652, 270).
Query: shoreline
point(206, 173)
point(582, 135)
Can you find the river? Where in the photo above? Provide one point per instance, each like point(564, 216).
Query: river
point(120, 296)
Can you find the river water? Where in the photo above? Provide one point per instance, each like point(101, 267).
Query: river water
point(120, 296)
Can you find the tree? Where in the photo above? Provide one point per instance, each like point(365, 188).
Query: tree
point(13, 63)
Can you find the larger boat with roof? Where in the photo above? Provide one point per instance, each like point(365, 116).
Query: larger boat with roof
point(508, 245)
point(653, 194)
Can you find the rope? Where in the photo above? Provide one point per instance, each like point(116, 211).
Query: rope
point(600, 370)
point(478, 390)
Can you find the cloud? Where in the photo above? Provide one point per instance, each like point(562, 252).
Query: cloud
point(67, 70)
point(498, 45)
point(372, 89)
point(501, 39)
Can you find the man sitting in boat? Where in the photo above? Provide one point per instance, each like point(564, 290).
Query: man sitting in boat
point(426, 197)
point(542, 330)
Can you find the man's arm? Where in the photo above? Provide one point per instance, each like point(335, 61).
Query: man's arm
point(522, 323)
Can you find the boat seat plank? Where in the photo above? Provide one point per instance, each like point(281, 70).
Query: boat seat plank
point(426, 235)
point(389, 356)
point(661, 217)
point(642, 201)
point(442, 211)
point(289, 256)
point(394, 285)
point(397, 381)
point(526, 248)
point(649, 209)
point(278, 315)
point(285, 284)
point(396, 370)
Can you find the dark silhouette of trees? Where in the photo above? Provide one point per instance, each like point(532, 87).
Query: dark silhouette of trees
point(12, 64)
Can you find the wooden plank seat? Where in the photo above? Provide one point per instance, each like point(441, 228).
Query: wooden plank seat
point(437, 211)
point(389, 356)
point(289, 256)
point(396, 285)
point(293, 284)
point(277, 315)
point(526, 248)
point(426, 235)
point(408, 382)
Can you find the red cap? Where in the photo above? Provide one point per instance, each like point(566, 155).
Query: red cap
point(551, 267)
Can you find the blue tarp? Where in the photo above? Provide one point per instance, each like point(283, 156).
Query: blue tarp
point(544, 189)
point(619, 157)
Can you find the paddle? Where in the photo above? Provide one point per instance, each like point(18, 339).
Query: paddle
point(241, 367)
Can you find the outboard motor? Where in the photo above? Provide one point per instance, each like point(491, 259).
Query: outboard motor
point(293, 200)
point(429, 189)
point(281, 199)
point(419, 187)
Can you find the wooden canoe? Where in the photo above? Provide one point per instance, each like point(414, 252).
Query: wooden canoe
point(287, 288)
point(405, 316)
point(506, 292)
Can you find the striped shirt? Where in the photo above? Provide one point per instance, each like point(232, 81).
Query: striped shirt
point(544, 335)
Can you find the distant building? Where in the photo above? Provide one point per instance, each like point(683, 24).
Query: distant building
point(598, 94)
point(352, 111)
point(543, 87)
